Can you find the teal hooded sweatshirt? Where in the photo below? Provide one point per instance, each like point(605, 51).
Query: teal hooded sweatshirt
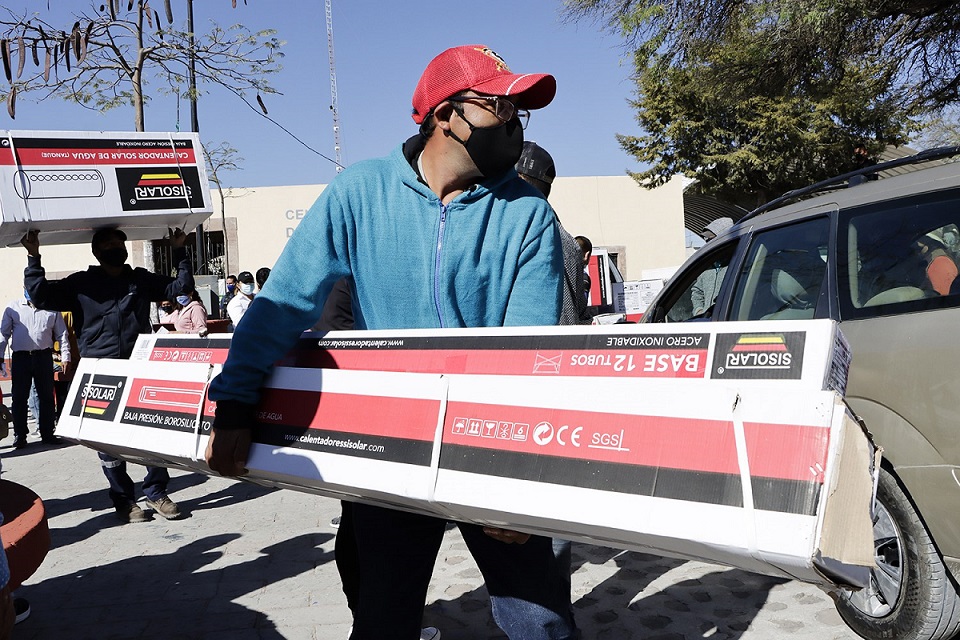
point(491, 257)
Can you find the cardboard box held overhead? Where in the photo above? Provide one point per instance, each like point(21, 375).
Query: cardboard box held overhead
point(724, 442)
point(66, 184)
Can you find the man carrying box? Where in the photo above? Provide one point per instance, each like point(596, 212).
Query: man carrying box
point(441, 233)
point(111, 308)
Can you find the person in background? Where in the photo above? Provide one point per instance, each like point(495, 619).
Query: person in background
point(13, 610)
point(7, 613)
point(241, 300)
point(941, 269)
point(536, 167)
point(31, 333)
point(6, 419)
point(707, 285)
point(229, 290)
point(586, 249)
point(379, 222)
point(166, 312)
point(191, 314)
point(110, 303)
point(715, 228)
point(63, 369)
point(262, 274)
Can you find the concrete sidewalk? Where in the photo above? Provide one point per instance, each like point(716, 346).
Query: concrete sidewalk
point(249, 562)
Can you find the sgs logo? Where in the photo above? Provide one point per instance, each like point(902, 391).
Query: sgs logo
point(614, 441)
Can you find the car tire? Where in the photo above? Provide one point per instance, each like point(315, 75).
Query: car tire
point(911, 594)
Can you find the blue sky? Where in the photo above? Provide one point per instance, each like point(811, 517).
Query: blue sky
point(381, 48)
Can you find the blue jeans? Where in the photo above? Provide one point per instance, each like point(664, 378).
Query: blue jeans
point(121, 486)
point(396, 554)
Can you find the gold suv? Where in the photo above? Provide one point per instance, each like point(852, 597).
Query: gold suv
point(881, 257)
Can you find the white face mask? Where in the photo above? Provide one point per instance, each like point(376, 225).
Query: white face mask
point(246, 289)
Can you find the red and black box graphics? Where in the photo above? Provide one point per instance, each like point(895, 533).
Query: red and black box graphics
point(86, 148)
point(759, 356)
point(165, 404)
point(644, 447)
point(162, 404)
point(193, 349)
point(159, 188)
point(636, 355)
point(72, 167)
point(98, 396)
point(390, 417)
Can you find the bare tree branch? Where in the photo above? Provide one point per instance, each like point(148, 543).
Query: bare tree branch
point(123, 50)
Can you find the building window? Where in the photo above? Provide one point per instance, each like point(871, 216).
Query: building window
point(213, 250)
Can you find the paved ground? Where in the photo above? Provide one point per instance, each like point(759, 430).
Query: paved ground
point(249, 562)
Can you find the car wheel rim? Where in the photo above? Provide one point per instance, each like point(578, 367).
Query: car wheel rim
point(879, 597)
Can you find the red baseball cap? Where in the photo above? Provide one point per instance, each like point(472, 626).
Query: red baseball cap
point(478, 67)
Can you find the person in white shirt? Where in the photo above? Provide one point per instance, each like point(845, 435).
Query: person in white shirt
point(31, 332)
point(241, 301)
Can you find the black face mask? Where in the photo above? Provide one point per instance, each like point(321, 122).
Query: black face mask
point(113, 257)
point(495, 149)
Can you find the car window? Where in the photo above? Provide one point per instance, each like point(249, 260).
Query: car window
point(694, 296)
point(784, 273)
point(900, 256)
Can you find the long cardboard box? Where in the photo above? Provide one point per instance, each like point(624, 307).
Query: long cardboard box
point(727, 443)
point(807, 354)
point(66, 184)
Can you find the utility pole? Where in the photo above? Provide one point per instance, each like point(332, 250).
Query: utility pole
point(333, 87)
point(201, 260)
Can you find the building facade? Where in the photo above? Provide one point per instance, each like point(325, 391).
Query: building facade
point(643, 229)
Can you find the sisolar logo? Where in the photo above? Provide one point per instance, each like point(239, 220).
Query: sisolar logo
point(759, 355)
point(154, 188)
point(98, 397)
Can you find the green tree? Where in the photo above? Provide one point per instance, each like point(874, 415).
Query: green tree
point(105, 57)
point(754, 98)
point(916, 40)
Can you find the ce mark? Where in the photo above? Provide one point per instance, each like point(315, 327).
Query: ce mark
point(544, 434)
point(574, 435)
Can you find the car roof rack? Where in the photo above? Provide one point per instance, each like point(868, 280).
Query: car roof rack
point(839, 182)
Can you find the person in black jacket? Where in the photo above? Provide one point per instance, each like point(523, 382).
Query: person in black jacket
point(111, 308)
point(536, 167)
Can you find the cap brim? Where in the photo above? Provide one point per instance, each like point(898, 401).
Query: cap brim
point(532, 90)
